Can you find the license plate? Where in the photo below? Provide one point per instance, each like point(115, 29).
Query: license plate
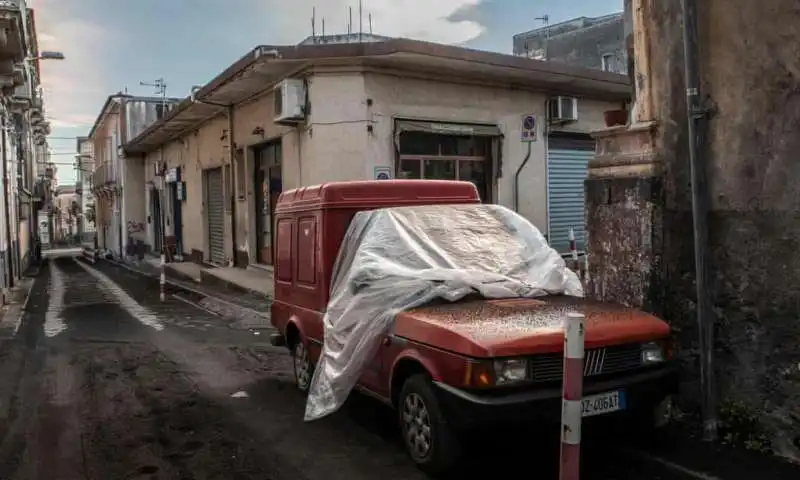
point(603, 403)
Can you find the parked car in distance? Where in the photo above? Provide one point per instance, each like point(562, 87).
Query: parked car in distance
point(437, 367)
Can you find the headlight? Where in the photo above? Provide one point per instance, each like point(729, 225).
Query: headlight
point(510, 370)
point(652, 353)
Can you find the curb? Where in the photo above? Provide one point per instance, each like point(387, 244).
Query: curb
point(20, 308)
point(188, 289)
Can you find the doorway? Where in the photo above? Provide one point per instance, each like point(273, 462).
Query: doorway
point(268, 187)
point(155, 219)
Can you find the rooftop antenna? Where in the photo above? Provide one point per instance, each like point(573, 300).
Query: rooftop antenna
point(546, 20)
point(360, 21)
point(370, 24)
point(313, 24)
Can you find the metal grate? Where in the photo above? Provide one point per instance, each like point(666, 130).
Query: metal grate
point(599, 361)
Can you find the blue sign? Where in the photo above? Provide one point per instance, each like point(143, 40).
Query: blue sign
point(383, 173)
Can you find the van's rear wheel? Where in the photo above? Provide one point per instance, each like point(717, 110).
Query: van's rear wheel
point(302, 366)
point(429, 440)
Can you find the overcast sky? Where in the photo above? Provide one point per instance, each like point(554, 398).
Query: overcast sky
point(111, 45)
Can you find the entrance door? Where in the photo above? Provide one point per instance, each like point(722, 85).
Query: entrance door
point(155, 218)
point(215, 211)
point(268, 186)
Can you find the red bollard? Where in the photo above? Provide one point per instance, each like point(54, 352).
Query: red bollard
point(571, 410)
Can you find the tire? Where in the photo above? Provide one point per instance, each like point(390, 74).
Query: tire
point(302, 367)
point(417, 407)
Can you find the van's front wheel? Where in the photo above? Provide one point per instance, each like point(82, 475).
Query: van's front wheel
point(302, 366)
point(429, 440)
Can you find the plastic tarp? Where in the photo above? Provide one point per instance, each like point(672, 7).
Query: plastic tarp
point(396, 259)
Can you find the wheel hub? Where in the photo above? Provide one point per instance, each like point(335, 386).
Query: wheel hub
point(302, 366)
point(417, 425)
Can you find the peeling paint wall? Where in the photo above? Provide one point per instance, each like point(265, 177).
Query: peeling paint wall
point(750, 68)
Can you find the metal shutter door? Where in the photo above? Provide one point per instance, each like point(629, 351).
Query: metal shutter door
point(566, 173)
point(215, 208)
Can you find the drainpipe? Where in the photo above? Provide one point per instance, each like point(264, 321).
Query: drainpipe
point(7, 211)
point(232, 182)
point(516, 176)
point(696, 122)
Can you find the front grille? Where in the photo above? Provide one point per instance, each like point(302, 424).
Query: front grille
point(597, 361)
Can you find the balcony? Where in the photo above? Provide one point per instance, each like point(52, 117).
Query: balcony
point(12, 43)
point(105, 179)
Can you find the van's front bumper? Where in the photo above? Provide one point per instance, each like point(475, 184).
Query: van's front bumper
point(644, 391)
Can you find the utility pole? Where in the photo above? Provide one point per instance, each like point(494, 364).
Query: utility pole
point(161, 89)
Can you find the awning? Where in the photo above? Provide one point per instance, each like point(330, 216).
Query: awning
point(442, 128)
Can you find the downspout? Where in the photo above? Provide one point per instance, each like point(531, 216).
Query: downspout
point(232, 182)
point(696, 123)
point(516, 176)
point(6, 211)
point(527, 158)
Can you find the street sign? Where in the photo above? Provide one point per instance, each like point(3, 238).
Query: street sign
point(383, 173)
point(528, 128)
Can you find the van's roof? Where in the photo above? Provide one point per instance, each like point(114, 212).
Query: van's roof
point(377, 194)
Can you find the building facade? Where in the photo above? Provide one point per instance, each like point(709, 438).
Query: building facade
point(66, 214)
point(122, 118)
point(588, 42)
point(23, 140)
point(85, 165)
point(215, 166)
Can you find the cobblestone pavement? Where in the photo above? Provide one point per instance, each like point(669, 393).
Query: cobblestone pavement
point(103, 381)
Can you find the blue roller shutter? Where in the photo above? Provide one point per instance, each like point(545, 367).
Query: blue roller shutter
point(567, 166)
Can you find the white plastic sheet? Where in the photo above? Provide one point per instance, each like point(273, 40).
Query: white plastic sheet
point(396, 259)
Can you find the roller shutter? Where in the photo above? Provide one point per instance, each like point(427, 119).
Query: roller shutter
point(215, 210)
point(567, 165)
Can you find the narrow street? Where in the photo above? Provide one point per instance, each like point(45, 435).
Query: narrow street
point(103, 381)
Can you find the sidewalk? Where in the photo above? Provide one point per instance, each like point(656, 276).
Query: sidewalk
point(247, 307)
point(17, 300)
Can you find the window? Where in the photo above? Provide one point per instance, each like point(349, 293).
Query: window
point(283, 269)
point(307, 250)
point(610, 63)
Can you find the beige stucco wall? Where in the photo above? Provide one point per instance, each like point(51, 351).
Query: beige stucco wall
point(334, 144)
point(435, 100)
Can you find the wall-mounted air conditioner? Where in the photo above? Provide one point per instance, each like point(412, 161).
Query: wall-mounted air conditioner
point(289, 101)
point(562, 109)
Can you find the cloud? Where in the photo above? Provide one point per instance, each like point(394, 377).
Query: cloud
point(442, 21)
point(74, 87)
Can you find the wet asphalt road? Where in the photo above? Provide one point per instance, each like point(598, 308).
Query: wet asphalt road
point(103, 381)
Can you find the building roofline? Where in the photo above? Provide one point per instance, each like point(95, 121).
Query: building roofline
point(123, 96)
point(565, 22)
point(342, 51)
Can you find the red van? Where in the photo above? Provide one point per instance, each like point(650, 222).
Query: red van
point(436, 366)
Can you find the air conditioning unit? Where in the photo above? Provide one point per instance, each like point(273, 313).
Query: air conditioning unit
point(289, 101)
point(562, 110)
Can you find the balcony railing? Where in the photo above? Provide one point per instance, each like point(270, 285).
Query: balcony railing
point(105, 176)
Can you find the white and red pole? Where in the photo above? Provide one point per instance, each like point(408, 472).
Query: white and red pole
point(571, 412)
point(573, 250)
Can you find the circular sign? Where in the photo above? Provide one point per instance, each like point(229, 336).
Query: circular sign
point(382, 176)
point(529, 123)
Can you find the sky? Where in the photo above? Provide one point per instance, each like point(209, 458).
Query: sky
point(113, 45)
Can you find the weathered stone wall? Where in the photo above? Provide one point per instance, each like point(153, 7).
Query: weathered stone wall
point(749, 57)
